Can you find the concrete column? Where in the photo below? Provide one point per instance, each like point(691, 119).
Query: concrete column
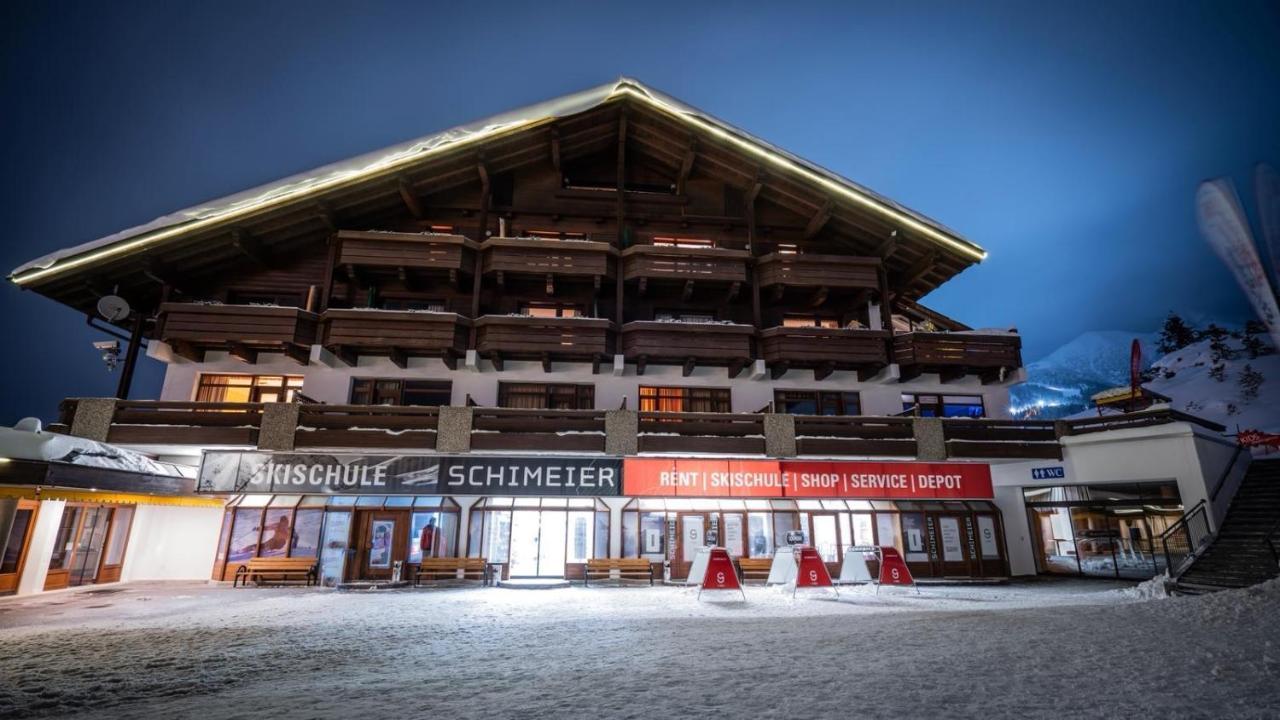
point(931, 444)
point(621, 432)
point(279, 423)
point(779, 435)
point(92, 420)
point(453, 431)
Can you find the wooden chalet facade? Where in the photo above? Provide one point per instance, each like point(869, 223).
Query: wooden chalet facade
point(545, 269)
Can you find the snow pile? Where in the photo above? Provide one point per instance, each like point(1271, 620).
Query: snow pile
point(1157, 588)
point(1186, 376)
point(41, 445)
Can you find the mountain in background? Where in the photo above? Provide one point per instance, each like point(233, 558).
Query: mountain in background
point(1061, 383)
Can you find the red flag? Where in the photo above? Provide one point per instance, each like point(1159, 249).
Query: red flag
point(1135, 368)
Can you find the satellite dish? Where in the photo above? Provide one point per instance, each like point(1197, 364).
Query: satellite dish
point(113, 308)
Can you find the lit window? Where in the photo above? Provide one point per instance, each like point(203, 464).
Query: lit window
point(248, 388)
point(544, 396)
point(549, 310)
point(684, 399)
point(684, 242)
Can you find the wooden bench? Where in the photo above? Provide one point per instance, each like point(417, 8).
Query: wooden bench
point(754, 568)
point(617, 569)
point(277, 569)
point(447, 569)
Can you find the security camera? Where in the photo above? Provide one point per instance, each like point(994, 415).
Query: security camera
point(110, 350)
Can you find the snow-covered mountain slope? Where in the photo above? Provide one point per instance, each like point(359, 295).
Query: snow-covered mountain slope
point(1060, 383)
point(1184, 376)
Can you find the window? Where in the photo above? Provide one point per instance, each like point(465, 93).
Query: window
point(943, 405)
point(376, 391)
point(546, 396)
point(684, 399)
point(816, 402)
point(248, 388)
point(787, 249)
point(684, 242)
point(17, 538)
point(549, 310)
point(555, 234)
point(822, 321)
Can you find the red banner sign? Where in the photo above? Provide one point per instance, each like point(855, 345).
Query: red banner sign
point(893, 569)
point(700, 477)
point(812, 572)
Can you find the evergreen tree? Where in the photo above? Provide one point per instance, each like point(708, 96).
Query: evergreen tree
point(1252, 340)
point(1175, 334)
point(1218, 345)
point(1250, 382)
point(1218, 372)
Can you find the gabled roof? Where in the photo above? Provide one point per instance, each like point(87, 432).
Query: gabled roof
point(308, 186)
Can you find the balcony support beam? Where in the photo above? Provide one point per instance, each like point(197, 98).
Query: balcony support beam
point(819, 220)
point(952, 374)
point(410, 198)
point(449, 357)
point(399, 358)
point(243, 353)
point(823, 371)
point(546, 362)
point(495, 357)
point(641, 362)
point(689, 365)
point(736, 367)
point(300, 354)
point(778, 369)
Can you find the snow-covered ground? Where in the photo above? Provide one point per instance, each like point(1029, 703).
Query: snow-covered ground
point(1037, 649)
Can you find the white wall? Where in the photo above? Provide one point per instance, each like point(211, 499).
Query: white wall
point(40, 549)
point(1177, 452)
point(172, 542)
point(333, 384)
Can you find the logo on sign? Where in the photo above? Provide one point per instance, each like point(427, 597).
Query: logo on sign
point(1048, 473)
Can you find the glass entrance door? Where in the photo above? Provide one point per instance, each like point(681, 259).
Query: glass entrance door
point(538, 543)
point(88, 548)
point(384, 541)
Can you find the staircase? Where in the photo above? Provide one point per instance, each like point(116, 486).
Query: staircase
point(1244, 551)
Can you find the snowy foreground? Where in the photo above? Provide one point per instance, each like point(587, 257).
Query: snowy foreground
point(1037, 649)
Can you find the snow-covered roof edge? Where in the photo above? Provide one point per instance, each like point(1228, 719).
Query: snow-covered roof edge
point(303, 184)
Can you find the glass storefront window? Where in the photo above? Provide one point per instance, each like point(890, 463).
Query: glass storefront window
point(66, 536)
point(653, 533)
point(17, 536)
point(306, 533)
point(244, 535)
point(862, 529)
point(119, 536)
point(581, 531)
point(333, 553)
point(277, 533)
point(759, 535)
point(913, 535)
point(826, 540)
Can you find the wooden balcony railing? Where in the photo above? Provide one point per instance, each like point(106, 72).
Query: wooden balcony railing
point(645, 263)
point(825, 350)
point(409, 251)
point(242, 330)
point(366, 426)
point(815, 271)
point(986, 438)
point(159, 422)
point(854, 435)
point(687, 344)
point(522, 337)
point(398, 334)
point(1145, 418)
point(546, 257)
point(537, 429)
point(954, 354)
point(701, 432)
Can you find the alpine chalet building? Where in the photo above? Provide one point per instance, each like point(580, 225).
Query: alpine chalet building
point(605, 326)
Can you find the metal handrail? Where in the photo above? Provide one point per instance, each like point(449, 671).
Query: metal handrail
point(1226, 473)
point(1183, 524)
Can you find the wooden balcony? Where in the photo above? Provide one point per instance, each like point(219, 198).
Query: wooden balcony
point(678, 432)
point(398, 334)
point(366, 426)
point(155, 422)
point(581, 259)
point(522, 337)
point(523, 429)
point(687, 344)
point(819, 271)
point(987, 438)
point(242, 330)
point(719, 266)
point(854, 435)
point(953, 355)
point(406, 253)
point(825, 350)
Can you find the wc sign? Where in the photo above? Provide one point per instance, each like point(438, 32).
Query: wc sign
point(1057, 472)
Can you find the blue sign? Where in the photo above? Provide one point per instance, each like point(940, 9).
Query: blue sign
point(1056, 472)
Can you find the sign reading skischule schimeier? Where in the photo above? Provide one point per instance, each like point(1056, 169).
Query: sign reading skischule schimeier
point(355, 474)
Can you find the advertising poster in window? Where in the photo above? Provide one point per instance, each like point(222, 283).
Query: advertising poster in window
point(244, 535)
point(306, 533)
point(949, 528)
point(333, 553)
point(381, 534)
point(987, 538)
point(886, 528)
point(424, 537)
point(913, 537)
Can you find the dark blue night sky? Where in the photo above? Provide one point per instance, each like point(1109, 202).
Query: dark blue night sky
point(1067, 141)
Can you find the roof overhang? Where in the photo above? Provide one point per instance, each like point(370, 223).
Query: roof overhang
point(387, 162)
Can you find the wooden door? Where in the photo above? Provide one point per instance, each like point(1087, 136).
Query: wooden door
point(116, 544)
point(691, 533)
point(384, 541)
point(15, 550)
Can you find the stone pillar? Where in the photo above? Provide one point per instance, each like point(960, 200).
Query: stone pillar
point(279, 423)
point(92, 420)
point(931, 444)
point(779, 435)
point(621, 432)
point(453, 431)
point(1061, 429)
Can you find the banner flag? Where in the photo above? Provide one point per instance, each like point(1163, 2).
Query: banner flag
point(1225, 226)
